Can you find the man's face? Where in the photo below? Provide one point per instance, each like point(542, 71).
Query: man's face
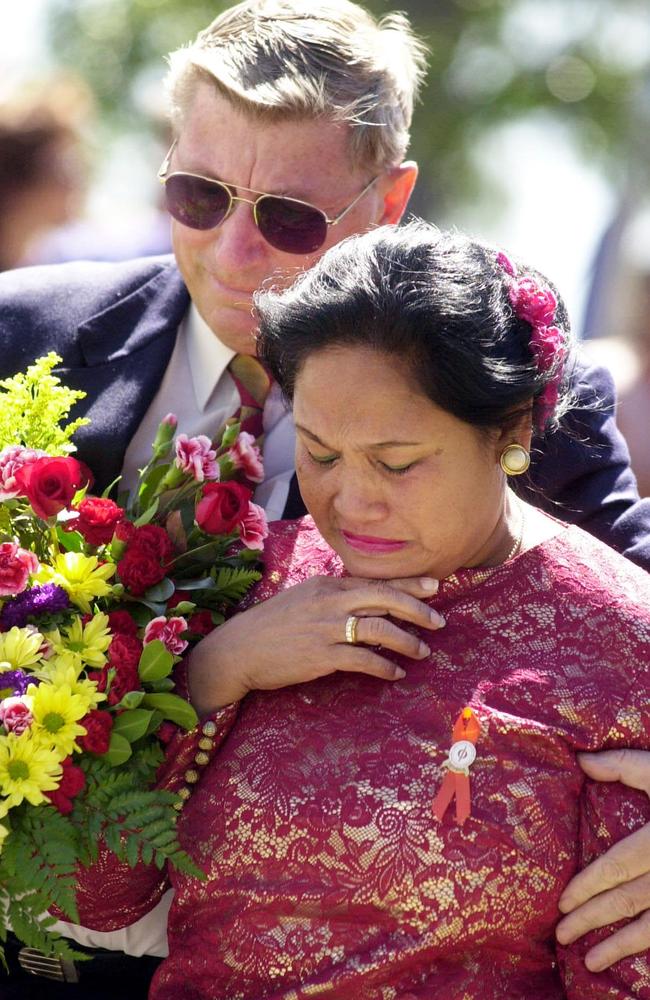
point(222, 267)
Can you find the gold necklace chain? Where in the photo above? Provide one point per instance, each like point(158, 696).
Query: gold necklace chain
point(516, 545)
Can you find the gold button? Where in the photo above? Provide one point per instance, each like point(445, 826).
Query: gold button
point(191, 776)
point(275, 577)
point(184, 793)
point(178, 806)
point(202, 759)
point(205, 744)
point(209, 728)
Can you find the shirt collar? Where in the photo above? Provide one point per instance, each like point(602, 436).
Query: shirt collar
point(207, 355)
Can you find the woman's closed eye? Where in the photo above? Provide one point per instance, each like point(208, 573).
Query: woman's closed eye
point(394, 470)
point(398, 470)
point(322, 459)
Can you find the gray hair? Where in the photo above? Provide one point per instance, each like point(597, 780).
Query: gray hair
point(279, 59)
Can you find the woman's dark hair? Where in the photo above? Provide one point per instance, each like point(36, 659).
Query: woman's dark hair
point(437, 300)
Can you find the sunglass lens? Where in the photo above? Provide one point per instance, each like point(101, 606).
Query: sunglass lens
point(195, 202)
point(290, 226)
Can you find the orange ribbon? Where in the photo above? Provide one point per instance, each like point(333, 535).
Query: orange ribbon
point(462, 754)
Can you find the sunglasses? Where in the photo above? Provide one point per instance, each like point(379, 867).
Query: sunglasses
point(287, 224)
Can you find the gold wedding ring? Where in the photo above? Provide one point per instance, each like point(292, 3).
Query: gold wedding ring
point(351, 623)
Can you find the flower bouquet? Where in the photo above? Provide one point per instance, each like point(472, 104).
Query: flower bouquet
point(98, 601)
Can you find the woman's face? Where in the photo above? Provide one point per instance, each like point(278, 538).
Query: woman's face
point(397, 486)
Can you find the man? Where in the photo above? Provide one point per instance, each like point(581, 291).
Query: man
point(291, 120)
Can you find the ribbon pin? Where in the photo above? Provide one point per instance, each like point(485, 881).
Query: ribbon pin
point(461, 756)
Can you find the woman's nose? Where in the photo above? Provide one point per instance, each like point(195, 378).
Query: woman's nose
point(357, 501)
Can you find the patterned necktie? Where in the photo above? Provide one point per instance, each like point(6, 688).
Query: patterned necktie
point(253, 384)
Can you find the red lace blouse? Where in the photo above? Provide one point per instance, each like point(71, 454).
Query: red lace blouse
point(328, 875)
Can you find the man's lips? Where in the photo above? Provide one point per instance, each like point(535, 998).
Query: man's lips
point(371, 543)
point(229, 291)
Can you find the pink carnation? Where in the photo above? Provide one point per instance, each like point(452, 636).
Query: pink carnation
point(253, 528)
point(196, 457)
point(16, 564)
point(245, 455)
point(533, 303)
point(11, 460)
point(169, 631)
point(15, 714)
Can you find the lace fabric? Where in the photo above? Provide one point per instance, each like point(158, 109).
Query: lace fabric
point(327, 872)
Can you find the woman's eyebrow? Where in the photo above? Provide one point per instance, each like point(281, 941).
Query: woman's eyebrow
point(377, 444)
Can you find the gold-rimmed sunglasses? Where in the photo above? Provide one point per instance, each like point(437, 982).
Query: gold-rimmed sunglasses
point(288, 224)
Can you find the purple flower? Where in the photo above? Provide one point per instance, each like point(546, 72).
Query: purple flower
point(17, 680)
point(38, 600)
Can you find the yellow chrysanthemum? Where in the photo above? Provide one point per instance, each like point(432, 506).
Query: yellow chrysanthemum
point(83, 645)
point(56, 712)
point(81, 577)
point(19, 648)
point(60, 672)
point(27, 770)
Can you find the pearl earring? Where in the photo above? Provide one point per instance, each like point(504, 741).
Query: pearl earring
point(514, 460)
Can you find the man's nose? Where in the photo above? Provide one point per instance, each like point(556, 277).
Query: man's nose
point(238, 241)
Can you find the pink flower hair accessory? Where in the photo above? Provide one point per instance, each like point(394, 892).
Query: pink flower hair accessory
point(537, 305)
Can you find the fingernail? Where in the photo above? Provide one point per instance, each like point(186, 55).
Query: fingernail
point(595, 964)
point(437, 619)
point(429, 584)
point(423, 649)
point(399, 673)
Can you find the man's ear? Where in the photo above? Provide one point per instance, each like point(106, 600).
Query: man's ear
point(399, 185)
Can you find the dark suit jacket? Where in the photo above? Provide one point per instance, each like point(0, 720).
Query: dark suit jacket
point(115, 325)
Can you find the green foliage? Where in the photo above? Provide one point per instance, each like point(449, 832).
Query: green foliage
point(40, 855)
point(37, 871)
point(33, 405)
point(232, 583)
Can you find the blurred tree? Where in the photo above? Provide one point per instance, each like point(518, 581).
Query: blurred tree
point(583, 63)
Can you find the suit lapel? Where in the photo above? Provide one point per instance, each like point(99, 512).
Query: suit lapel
point(124, 352)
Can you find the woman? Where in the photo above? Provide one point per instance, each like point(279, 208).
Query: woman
point(408, 834)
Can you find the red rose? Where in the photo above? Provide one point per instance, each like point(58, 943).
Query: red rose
point(138, 570)
point(72, 782)
point(124, 652)
point(50, 483)
point(200, 623)
point(16, 564)
point(98, 725)
point(121, 623)
point(221, 507)
point(97, 520)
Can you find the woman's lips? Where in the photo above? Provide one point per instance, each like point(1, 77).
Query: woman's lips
point(369, 543)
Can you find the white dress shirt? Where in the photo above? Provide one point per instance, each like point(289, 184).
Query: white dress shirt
point(198, 389)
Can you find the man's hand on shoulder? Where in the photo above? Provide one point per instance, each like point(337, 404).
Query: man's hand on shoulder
point(615, 886)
